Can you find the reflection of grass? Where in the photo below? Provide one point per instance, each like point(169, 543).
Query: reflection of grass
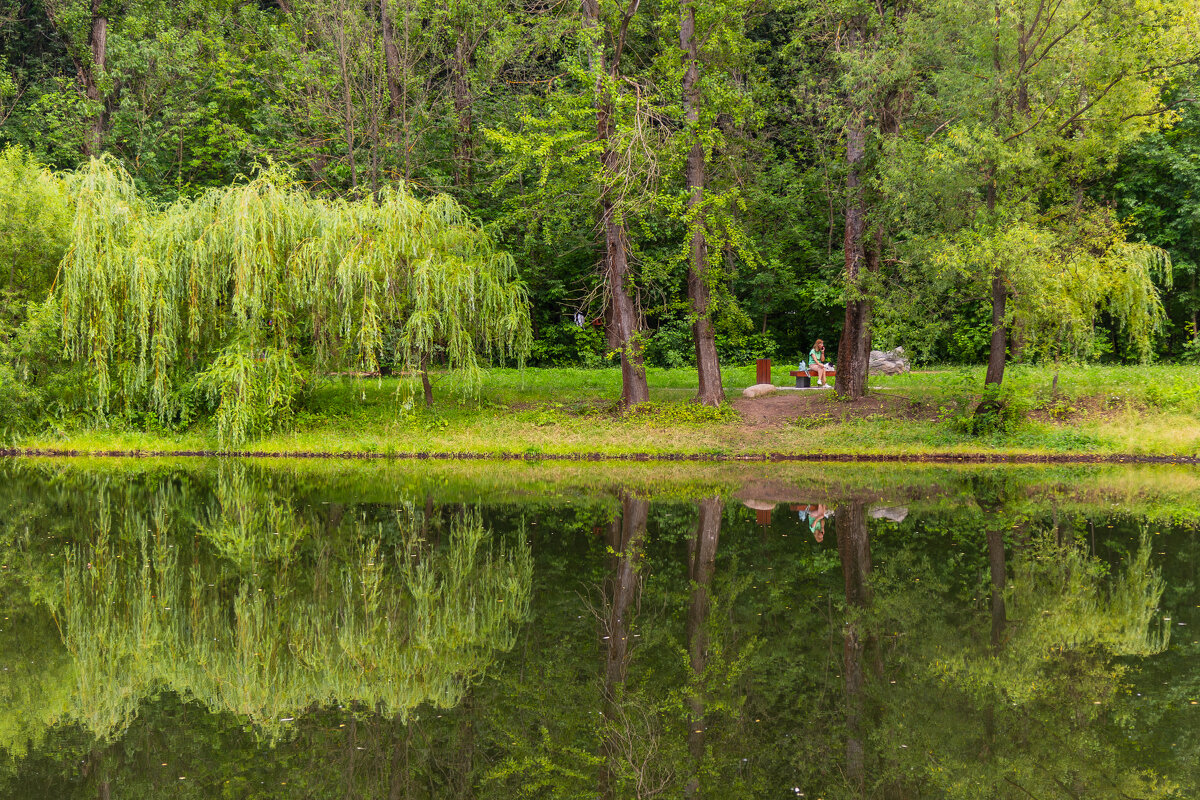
point(1143, 410)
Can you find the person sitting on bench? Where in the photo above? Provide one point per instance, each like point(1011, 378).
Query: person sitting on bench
point(816, 360)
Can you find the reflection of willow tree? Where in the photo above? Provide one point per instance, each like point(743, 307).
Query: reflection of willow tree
point(1035, 711)
point(280, 622)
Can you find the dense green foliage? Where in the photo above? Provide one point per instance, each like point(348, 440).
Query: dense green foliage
point(492, 102)
point(1040, 150)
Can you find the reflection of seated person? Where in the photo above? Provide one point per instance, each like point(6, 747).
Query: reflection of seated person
point(816, 516)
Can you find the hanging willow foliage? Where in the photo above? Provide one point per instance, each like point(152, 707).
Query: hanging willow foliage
point(244, 291)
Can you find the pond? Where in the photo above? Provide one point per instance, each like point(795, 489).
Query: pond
point(276, 629)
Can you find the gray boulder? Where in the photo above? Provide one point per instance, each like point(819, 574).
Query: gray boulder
point(890, 513)
point(758, 390)
point(892, 362)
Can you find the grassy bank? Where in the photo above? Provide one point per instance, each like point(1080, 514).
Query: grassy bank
point(1088, 410)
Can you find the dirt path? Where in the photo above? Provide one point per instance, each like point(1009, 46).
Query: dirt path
point(782, 407)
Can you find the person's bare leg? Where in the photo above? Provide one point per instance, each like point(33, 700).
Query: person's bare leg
point(820, 374)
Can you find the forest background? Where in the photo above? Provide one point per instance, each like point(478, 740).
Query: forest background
point(730, 178)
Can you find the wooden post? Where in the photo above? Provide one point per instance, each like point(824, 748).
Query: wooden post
point(764, 371)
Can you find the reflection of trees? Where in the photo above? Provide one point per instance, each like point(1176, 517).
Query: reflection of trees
point(264, 614)
point(702, 558)
point(948, 617)
point(621, 721)
point(854, 549)
point(1032, 710)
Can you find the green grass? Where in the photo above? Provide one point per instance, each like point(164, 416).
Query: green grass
point(1095, 410)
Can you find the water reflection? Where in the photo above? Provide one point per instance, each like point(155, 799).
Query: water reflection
point(240, 628)
point(261, 612)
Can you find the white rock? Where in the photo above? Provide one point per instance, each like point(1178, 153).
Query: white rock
point(893, 362)
point(758, 390)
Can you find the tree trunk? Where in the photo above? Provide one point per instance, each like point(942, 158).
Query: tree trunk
point(617, 276)
point(347, 104)
point(399, 784)
point(854, 347)
point(702, 557)
point(854, 550)
point(425, 384)
point(708, 367)
point(391, 57)
point(1195, 308)
point(98, 41)
point(463, 150)
point(999, 341)
point(351, 748)
point(995, 543)
point(397, 80)
point(621, 592)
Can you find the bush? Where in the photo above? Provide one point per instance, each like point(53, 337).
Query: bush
point(999, 411)
point(1191, 351)
point(671, 346)
point(737, 349)
point(34, 223)
point(568, 345)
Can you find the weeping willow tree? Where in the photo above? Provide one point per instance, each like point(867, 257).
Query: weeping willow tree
point(276, 631)
point(241, 294)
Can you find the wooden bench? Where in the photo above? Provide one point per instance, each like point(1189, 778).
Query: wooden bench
point(804, 377)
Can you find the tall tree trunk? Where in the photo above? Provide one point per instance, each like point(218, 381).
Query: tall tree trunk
point(996, 569)
point(854, 347)
point(399, 774)
point(464, 152)
point(1195, 308)
point(98, 41)
point(621, 592)
point(854, 550)
point(89, 68)
point(351, 750)
point(397, 76)
point(708, 367)
point(617, 275)
point(702, 557)
point(391, 57)
point(999, 340)
point(347, 104)
point(989, 496)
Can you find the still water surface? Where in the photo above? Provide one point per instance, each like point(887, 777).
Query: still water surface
point(266, 630)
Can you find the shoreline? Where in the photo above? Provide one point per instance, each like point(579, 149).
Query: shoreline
point(861, 458)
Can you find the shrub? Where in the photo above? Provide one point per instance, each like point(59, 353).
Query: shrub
point(671, 346)
point(736, 348)
point(568, 345)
